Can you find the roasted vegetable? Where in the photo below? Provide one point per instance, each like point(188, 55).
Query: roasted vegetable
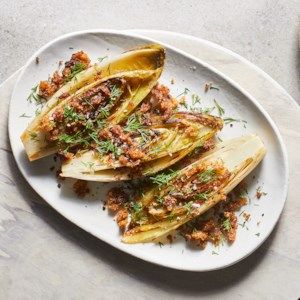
point(134, 150)
point(110, 91)
point(180, 196)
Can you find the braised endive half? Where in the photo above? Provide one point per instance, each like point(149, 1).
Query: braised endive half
point(106, 92)
point(180, 196)
point(134, 150)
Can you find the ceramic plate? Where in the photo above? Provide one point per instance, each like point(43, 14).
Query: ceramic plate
point(189, 74)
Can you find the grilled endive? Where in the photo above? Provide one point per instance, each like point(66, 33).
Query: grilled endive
point(192, 190)
point(161, 145)
point(129, 78)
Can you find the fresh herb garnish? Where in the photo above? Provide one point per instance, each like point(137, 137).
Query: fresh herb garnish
point(38, 111)
point(100, 59)
point(207, 110)
point(33, 136)
point(105, 147)
point(133, 124)
point(202, 196)
point(75, 69)
point(34, 96)
point(220, 109)
point(257, 234)
point(24, 116)
point(88, 102)
point(71, 115)
point(89, 125)
point(104, 112)
point(160, 199)
point(160, 244)
point(88, 164)
point(115, 93)
point(171, 216)
point(231, 120)
point(186, 90)
point(226, 224)
point(195, 99)
point(137, 207)
point(72, 139)
point(163, 178)
point(100, 123)
point(184, 104)
point(214, 253)
point(188, 206)
point(207, 175)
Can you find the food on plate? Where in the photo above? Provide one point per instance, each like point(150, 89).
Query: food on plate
point(136, 150)
point(99, 93)
point(115, 122)
point(179, 196)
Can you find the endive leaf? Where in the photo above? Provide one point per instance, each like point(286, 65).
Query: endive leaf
point(174, 141)
point(142, 67)
point(240, 156)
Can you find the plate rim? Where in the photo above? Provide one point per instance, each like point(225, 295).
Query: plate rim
point(270, 121)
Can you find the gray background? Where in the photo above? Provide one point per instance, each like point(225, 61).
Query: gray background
point(264, 32)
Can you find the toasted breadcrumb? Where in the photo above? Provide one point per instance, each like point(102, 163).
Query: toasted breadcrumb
point(81, 188)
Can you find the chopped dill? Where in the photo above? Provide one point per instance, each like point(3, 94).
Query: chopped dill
point(72, 139)
point(38, 111)
point(24, 116)
point(184, 104)
point(207, 110)
point(71, 115)
point(207, 175)
point(133, 124)
point(231, 120)
point(88, 102)
point(202, 196)
point(89, 124)
point(226, 225)
point(220, 109)
point(75, 69)
point(105, 147)
point(163, 178)
point(188, 206)
point(195, 99)
point(185, 92)
point(33, 136)
point(115, 93)
point(100, 59)
point(137, 207)
point(171, 216)
point(88, 164)
point(160, 200)
point(100, 124)
point(104, 112)
point(34, 96)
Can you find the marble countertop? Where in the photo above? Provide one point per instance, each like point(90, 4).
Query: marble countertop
point(264, 31)
point(42, 255)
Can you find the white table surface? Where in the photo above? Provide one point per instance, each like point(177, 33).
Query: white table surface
point(42, 255)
